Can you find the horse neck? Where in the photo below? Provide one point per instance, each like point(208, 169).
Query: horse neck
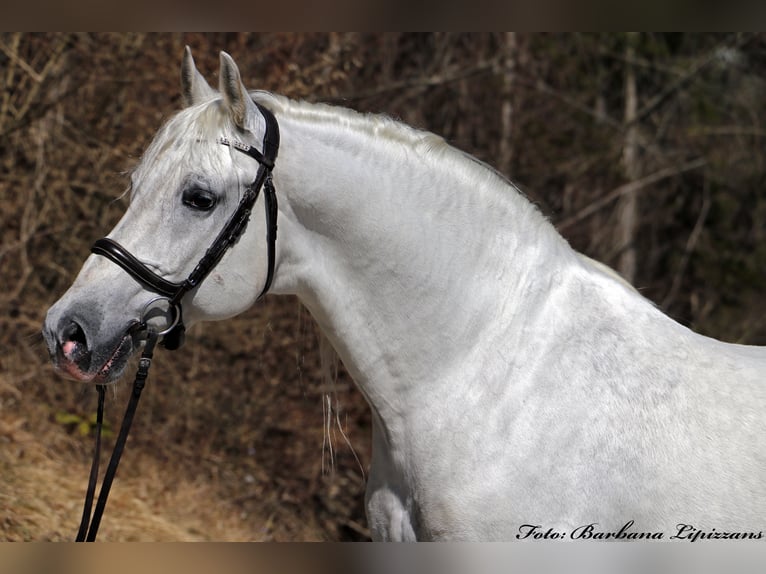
point(404, 258)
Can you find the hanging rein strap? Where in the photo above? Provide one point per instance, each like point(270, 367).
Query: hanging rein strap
point(89, 526)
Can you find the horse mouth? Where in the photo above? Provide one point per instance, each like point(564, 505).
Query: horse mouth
point(77, 362)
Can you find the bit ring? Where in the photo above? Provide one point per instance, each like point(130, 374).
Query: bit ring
point(150, 306)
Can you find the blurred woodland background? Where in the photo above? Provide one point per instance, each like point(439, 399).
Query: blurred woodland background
point(645, 150)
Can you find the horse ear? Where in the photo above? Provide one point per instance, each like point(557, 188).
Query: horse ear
point(194, 88)
point(235, 95)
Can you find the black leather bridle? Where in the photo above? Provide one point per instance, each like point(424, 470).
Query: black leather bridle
point(174, 292)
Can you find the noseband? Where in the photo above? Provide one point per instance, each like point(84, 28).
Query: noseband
point(174, 292)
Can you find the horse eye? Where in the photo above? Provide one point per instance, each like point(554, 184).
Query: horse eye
point(199, 199)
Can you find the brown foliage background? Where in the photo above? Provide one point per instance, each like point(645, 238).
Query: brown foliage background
point(229, 442)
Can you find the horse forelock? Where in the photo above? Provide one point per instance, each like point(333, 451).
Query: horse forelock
point(187, 140)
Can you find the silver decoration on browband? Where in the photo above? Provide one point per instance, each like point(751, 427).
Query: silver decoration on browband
point(235, 144)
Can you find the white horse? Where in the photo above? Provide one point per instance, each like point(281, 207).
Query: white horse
point(518, 390)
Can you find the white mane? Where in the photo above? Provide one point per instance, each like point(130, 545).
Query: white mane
point(403, 141)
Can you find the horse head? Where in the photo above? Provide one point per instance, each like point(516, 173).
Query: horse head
point(187, 191)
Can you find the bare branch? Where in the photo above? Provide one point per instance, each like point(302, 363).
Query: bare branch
point(450, 76)
point(691, 243)
point(12, 52)
point(544, 88)
point(681, 82)
point(637, 185)
point(9, 76)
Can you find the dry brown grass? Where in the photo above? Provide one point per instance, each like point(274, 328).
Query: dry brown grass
point(43, 494)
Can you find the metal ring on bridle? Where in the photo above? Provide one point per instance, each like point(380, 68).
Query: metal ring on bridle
point(170, 307)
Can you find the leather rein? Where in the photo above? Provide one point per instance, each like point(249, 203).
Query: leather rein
point(172, 293)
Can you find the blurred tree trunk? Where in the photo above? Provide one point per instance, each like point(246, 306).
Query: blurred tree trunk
point(506, 109)
point(627, 207)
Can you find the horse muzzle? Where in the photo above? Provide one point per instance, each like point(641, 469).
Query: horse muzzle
point(75, 354)
point(80, 350)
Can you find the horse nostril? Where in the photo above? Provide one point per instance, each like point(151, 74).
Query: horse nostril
point(73, 332)
point(74, 343)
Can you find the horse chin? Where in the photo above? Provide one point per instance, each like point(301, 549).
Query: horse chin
point(107, 370)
